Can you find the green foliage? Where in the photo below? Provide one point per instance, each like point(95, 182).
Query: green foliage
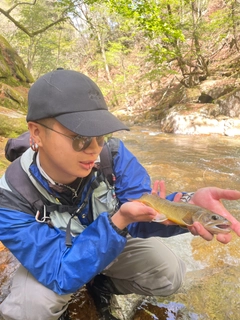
point(153, 17)
point(222, 20)
point(116, 41)
point(46, 50)
point(159, 21)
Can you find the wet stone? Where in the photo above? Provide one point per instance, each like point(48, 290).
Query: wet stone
point(8, 265)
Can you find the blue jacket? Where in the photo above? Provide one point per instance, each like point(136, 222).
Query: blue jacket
point(42, 250)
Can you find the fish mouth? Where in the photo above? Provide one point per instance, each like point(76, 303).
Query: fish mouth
point(223, 226)
point(219, 228)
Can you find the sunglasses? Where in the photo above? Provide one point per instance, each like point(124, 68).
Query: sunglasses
point(79, 143)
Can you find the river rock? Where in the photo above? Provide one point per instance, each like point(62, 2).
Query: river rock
point(229, 104)
point(13, 123)
point(12, 69)
point(198, 119)
point(216, 88)
point(15, 81)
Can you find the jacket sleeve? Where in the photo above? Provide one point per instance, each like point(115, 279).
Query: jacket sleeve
point(132, 181)
point(42, 250)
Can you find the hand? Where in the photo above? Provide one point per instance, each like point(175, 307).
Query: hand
point(209, 198)
point(138, 212)
point(133, 212)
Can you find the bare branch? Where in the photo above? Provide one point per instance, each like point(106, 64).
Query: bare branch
point(20, 3)
point(18, 24)
point(25, 30)
point(48, 26)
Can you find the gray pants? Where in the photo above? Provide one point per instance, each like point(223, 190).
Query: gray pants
point(145, 267)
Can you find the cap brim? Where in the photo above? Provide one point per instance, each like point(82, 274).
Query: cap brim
point(91, 123)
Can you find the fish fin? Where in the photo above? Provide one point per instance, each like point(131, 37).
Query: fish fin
point(187, 219)
point(160, 217)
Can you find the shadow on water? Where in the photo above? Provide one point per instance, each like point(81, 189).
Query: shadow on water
point(211, 290)
point(161, 311)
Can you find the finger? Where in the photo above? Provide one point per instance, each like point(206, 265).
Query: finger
point(193, 231)
point(221, 210)
point(198, 229)
point(155, 187)
point(217, 207)
point(150, 212)
point(159, 188)
point(162, 189)
point(145, 213)
point(226, 194)
point(224, 238)
point(235, 226)
point(177, 197)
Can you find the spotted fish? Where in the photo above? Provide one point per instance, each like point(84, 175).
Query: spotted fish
point(185, 214)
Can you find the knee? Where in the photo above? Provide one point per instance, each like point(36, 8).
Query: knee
point(29, 299)
point(47, 304)
point(161, 281)
point(172, 279)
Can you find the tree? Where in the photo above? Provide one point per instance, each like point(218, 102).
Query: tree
point(105, 41)
point(127, 46)
point(8, 13)
point(42, 34)
point(159, 22)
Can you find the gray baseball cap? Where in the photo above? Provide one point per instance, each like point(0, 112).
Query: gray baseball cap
point(74, 100)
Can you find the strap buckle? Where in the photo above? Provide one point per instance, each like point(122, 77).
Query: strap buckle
point(44, 218)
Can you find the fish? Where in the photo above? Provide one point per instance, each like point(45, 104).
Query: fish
point(185, 214)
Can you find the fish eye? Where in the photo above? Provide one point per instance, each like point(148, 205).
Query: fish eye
point(215, 217)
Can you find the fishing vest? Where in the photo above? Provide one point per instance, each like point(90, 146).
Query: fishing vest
point(47, 209)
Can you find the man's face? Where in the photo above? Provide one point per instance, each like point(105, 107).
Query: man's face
point(57, 155)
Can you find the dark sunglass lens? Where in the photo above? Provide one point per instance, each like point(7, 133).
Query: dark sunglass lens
point(100, 140)
point(81, 143)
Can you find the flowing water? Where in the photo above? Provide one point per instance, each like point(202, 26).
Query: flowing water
point(187, 162)
point(211, 289)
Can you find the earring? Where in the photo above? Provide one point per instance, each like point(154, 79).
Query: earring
point(33, 144)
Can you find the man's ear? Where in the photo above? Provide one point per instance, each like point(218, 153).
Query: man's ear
point(35, 132)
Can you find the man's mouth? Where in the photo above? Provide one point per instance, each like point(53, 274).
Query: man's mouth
point(87, 165)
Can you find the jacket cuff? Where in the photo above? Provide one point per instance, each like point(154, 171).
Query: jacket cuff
point(122, 232)
point(186, 197)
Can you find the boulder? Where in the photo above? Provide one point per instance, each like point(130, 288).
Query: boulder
point(15, 82)
point(12, 69)
point(12, 123)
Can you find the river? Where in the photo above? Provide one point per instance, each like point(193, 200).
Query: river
point(211, 290)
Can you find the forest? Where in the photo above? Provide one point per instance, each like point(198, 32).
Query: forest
point(129, 47)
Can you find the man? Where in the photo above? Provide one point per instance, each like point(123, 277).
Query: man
point(88, 232)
